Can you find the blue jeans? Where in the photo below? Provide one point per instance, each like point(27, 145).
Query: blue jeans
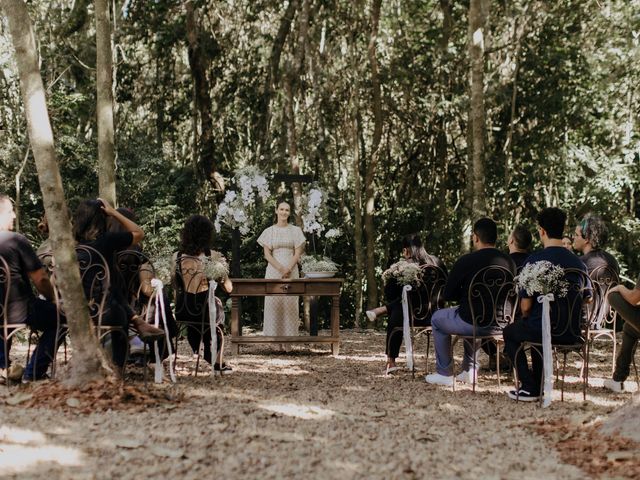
point(446, 322)
point(42, 317)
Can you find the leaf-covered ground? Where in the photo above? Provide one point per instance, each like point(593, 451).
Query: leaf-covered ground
point(307, 414)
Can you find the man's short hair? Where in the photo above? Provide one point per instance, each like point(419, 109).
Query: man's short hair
point(522, 237)
point(552, 219)
point(594, 230)
point(486, 230)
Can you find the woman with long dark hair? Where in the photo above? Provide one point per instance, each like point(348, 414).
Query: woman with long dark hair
point(192, 304)
point(412, 251)
point(90, 229)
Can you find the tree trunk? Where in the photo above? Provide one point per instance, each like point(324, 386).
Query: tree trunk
point(88, 362)
point(357, 233)
point(273, 78)
point(369, 187)
point(199, 63)
point(478, 12)
point(104, 86)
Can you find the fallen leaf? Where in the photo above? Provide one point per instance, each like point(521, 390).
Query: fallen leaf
point(167, 452)
point(73, 402)
point(19, 398)
point(128, 443)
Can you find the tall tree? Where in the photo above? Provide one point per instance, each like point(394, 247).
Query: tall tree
point(88, 361)
point(478, 13)
point(104, 87)
point(372, 165)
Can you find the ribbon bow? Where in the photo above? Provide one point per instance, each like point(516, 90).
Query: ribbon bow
point(406, 328)
point(160, 310)
point(547, 360)
point(213, 324)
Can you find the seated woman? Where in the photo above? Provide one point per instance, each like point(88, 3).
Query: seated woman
point(412, 251)
point(135, 290)
point(90, 229)
point(192, 284)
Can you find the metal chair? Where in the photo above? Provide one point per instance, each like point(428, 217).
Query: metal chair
point(571, 317)
point(492, 298)
point(192, 311)
point(424, 299)
point(603, 317)
point(9, 330)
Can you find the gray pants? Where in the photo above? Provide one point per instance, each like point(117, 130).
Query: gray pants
point(630, 334)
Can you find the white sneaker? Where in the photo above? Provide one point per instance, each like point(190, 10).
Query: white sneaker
point(136, 346)
point(437, 379)
point(614, 386)
point(371, 315)
point(468, 376)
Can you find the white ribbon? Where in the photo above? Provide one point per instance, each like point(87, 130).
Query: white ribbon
point(547, 360)
point(406, 326)
point(160, 310)
point(213, 326)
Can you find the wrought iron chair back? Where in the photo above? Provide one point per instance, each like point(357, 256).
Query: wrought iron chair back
point(130, 265)
point(492, 297)
point(427, 296)
point(603, 279)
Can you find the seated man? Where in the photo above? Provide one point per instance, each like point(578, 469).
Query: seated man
point(24, 307)
point(625, 301)
point(519, 243)
point(590, 238)
point(457, 320)
point(551, 222)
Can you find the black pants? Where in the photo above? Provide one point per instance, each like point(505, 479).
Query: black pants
point(630, 335)
point(193, 309)
point(117, 316)
point(395, 321)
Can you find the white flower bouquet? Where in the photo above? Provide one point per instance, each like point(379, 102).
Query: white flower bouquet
point(215, 266)
point(312, 210)
point(317, 263)
point(163, 267)
point(405, 273)
point(542, 277)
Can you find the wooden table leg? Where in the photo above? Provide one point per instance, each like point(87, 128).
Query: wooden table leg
point(335, 323)
point(235, 324)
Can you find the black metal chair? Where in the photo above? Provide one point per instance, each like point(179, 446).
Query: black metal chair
point(571, 317)
point(191, 300)
point(424, 299)
point(492, 298)
point(9, 330)
point(603, 317)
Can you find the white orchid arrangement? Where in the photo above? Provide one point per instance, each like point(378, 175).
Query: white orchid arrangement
point(312, 210)
point(405, 273)
point(236, 208)
point(543, 277)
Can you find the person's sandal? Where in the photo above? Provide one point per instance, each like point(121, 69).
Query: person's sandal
point(222, 370)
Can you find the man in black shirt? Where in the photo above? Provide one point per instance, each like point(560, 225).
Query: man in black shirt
point(457, 320)
point(589, 239)
point(25, 268)
point(519, 243)
point(551, 222)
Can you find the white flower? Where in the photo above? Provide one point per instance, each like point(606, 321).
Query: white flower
point(230, 196)
point(333, 233)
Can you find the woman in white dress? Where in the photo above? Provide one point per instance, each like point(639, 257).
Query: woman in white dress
point(283, 245)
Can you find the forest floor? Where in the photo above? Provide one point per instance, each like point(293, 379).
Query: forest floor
point(307, 414)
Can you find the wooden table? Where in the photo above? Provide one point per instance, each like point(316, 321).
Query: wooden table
point(260, 287)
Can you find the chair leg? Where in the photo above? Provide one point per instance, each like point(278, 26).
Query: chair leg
point(613, 360)
point(635, 369)
point(144, 365)
point(564, 372)
point(428, 346)
point(498, 362)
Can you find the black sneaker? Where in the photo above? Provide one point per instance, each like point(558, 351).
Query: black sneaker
point(523, 396)
point(30, 378)
point(223, 370)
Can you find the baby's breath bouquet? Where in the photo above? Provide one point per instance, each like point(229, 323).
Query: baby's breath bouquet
point(317, 263)
point(405, 273)
point(163, 267)
point(215, 266)
point(543, 277)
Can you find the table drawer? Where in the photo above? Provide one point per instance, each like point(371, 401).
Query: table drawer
point(289, 288)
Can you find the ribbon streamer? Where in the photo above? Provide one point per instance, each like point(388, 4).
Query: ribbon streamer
point(547, 360)
point(160, 310)
point(406, 327)
point(213, 325)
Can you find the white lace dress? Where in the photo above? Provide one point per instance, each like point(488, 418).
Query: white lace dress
point(281, 314)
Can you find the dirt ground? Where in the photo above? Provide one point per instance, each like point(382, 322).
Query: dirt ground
point(307, 414)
